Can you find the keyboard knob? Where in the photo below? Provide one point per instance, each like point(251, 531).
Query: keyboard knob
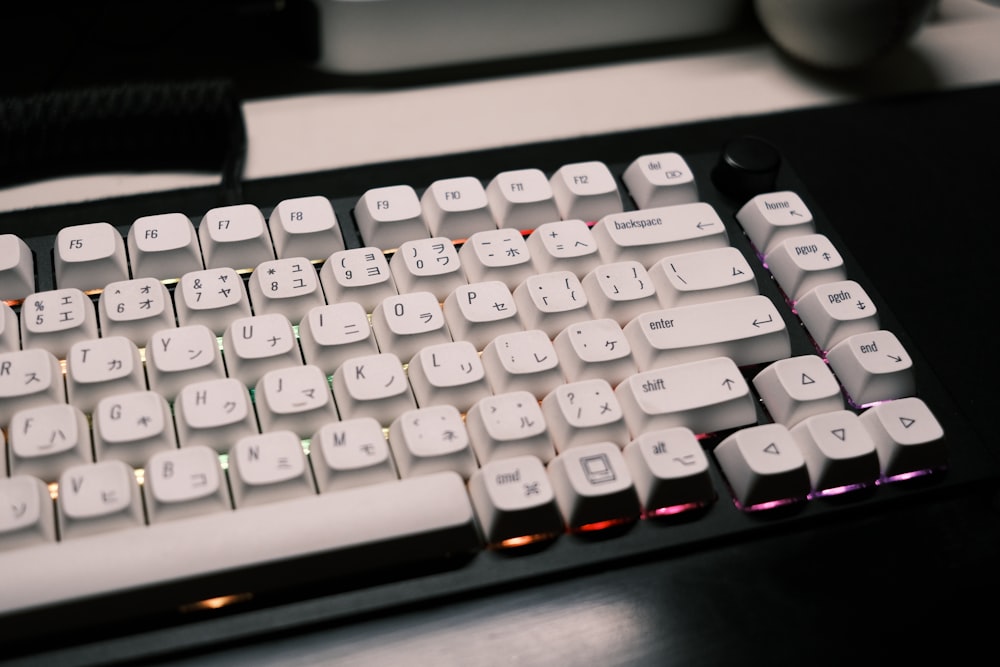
point(747, 166)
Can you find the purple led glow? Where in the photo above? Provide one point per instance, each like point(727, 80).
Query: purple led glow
point(903, 476)
point(838, 490)
point(672, 510)
point(767, 505)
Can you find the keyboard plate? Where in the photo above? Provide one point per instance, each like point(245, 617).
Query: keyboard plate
point(896, 522)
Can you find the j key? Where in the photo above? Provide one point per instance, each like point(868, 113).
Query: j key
point(164, 246)
point(296, 399)
point(89, 256)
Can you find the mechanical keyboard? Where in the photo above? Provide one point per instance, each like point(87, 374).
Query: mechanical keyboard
point(460, 372)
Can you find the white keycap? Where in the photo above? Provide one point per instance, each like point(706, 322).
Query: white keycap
point(456, 207)
point(47, 439)
point(330, 335)
point(764, 467)
point(582, 413)
point(213, 297)
point(388, 217)
point(838, 450)
point(164, 246)
point(176, 357)
point(508, 425)
point(288, 287)
point(908, 438)
point(431, 439)
point(593, 487)
point(798, 387)
point(564, 245)
point(448, 374)
point(514, 502)
point(56, 319)
point(585, 190)
point(551, 301)
point(258, 344)
point(499, 254)
point(10, 329)
point(594, 349)
point(29, 378)
point(182, 483)
point(697, 277)
point(525, 360)
point(296, 399)
point(750, 330)
point(372, 386)
point(358, 274)
point(135, 309)
point(405, 323)
point(670, 471)
point(660, 179)
point(705, 396)
point(428, 265)
point(98, 497)
point(234, 236)
point(27, 518)
point(768, 219)
point(133, 427)
point(267, 468)
point(351, 453)
point(480, 312)
point(648, 235)
point(215, 413)
point(420, 518)
point(305, 227)
point(89, 256)
point(873, 367)
point(102, 367)
point(620, 291)
point(17, 268)
point(832, 312)
point(521, 199)
point(801, 263)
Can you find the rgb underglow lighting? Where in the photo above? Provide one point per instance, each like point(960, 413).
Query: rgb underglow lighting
point(767, 505)
point(216, 602)
point(903, 476)
point(838, 490)
point(672, 510)
point(524, 540)
point(603, 525)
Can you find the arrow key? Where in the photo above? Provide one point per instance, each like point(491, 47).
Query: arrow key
point(908, 438)
point(765, 467)
point(839, 452)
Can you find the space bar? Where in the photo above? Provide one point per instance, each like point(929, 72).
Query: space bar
point(419, 516)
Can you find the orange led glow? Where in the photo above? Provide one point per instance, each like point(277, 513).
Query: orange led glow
point(216, 602)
